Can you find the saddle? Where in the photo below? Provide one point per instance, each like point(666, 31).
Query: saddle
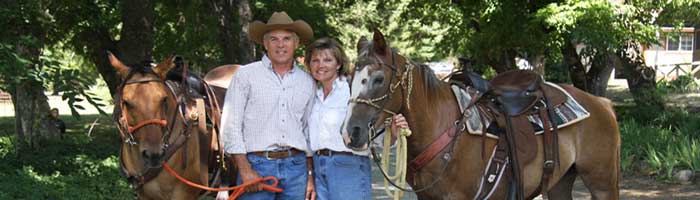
point(511, 97)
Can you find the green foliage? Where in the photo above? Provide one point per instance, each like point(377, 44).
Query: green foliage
point(682, 84)
point(659, 142)
point(78, 167)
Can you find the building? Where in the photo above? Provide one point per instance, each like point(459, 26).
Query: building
point(677, 54)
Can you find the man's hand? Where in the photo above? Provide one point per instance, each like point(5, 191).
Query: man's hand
point(310, 186)
point(247, 173)
point(310, 189)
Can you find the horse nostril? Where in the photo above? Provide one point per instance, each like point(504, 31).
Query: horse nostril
point(355, 131)
point(147, 155)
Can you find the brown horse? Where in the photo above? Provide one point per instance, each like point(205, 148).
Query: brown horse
point(382, 83)
point(149, 111)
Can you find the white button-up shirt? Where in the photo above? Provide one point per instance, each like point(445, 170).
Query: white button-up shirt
point(327, 118)
point(264, 111)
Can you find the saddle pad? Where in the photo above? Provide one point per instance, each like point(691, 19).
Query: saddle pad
point(565, 114)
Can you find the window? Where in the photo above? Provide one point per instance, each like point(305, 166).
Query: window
point(697, 36)
point(686, 42)
point(683, 42)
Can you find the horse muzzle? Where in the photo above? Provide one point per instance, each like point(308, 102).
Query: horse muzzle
point(356, 139)
point(152, 159)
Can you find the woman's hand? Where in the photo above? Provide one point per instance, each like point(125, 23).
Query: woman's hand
point(397, 122)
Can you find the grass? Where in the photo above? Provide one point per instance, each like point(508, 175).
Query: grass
point(659, 142)
point(77, 167)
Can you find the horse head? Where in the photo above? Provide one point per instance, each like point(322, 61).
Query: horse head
point(374, 91)
point(145, 109)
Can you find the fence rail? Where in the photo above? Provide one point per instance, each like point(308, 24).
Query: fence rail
point(677, 70)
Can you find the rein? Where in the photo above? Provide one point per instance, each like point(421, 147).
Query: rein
point(238, 190)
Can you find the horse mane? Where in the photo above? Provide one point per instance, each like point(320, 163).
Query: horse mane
point(430, 81)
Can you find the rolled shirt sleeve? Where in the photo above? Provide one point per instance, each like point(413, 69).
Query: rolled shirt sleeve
point(232, 116)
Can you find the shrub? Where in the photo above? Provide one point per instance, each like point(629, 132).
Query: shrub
point(662, 141)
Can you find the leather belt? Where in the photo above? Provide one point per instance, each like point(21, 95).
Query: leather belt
point(328, 152)
point(277, 154)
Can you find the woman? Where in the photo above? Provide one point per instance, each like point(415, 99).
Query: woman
point(339, 172)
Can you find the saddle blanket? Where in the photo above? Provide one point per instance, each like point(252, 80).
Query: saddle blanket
point(565, 114)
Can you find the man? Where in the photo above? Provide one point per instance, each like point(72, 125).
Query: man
point(60, 125)
point(264, 117)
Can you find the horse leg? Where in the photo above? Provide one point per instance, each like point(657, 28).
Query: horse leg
point(563, 188)
point(598, 161)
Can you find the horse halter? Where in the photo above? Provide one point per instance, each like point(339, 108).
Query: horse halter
point(405, 78)
point(125, 129)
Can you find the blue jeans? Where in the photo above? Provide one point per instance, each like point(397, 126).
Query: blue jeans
point(291, 173)
point(340, 177)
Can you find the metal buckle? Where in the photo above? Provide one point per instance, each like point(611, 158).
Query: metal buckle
point(288, 150)
point(548, 164)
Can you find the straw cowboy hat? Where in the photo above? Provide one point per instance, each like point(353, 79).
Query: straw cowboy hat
point(280, 20)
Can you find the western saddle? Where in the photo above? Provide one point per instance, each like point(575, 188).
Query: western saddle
point(511, 97)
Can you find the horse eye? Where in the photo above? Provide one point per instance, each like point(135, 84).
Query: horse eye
point(364, 80)
point(379, 80)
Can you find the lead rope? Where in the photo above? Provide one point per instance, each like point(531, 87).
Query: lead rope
point(399, 177)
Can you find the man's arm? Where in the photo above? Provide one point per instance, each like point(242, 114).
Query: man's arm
point(232, 128)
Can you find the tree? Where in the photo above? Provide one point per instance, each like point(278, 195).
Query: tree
point(21, 75)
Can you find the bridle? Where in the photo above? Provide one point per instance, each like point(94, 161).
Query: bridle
point(127, 131)
point(405, 80)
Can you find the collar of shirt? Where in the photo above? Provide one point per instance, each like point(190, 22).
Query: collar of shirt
point(268, 63)
point(340, 84)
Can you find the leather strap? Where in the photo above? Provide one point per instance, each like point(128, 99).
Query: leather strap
point(429, 153)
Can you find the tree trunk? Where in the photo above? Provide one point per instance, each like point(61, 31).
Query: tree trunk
point(538, 63)
point(31, 114)
point(640, 78)
point(503, 61)
point(227, 36)
point(137, 35)
point(134, 46)
point(97, 53)
point(598, 75)
point(577, 72)
point(246, 46)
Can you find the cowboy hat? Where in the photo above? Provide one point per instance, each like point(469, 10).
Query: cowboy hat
point(280, 20)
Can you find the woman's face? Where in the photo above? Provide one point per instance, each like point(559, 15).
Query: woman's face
point(324, 67)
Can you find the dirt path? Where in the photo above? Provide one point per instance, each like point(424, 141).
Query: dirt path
point(646, 188)
point(634, 188)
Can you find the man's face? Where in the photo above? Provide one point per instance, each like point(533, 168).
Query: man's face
point(280, 46)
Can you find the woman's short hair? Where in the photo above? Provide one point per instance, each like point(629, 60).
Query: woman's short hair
point(335, 49)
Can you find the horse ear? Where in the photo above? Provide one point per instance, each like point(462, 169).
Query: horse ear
point(121, 68)
point(379, 42)
point(362, 43)
point(164, 66)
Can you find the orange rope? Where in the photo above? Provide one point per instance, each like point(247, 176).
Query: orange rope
point(160, 122)
point(238, 190)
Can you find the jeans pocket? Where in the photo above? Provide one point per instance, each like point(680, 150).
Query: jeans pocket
point(345, 161)
point(255, 159)
point(298, 159)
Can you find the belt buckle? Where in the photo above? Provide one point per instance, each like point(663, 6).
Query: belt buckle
point(287, 150)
